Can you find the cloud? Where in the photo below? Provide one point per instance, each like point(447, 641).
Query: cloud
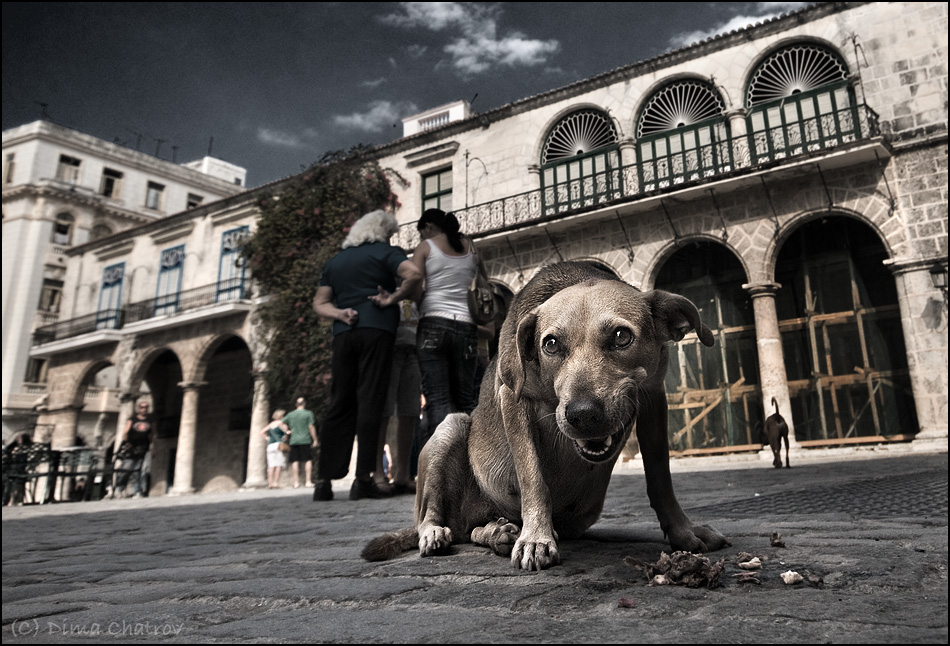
point(373, 84)
point(380, 115)
point(475, 46)
point(272, 137)
point(764, 11)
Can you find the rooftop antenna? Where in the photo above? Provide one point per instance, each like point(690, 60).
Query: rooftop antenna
point(174, 154)
point(43, 113)
point(210, 145)
point(138, 137)
point(158, 145)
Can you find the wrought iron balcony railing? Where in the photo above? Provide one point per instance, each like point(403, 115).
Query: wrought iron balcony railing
point(114, 319)
point(667, 170)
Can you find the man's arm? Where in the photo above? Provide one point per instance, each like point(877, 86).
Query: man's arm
point(325, 308)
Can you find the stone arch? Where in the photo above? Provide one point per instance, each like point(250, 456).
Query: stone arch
point(793, 224)
point(842, 331)
point(224, 372)
point(659, 253)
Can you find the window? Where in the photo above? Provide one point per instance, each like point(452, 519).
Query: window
point(8, 166)
point(153, 196)
point(194, 200)
point(63, 229)
point(111, 183)
point(580, 162)
point(800, 99)
point(169, 280)
point(68, 169)
point(437, 190)
point(682, 135)
point(231, 265)
point(51, 296)
point(110, 297)
point(36, 371)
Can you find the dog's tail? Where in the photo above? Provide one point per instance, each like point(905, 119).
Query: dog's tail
point(775, 403)
point(389, 546)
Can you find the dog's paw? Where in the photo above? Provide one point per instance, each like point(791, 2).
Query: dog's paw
point(535, 554)
point(698, 539)
point(434, 540)
point(499, 535)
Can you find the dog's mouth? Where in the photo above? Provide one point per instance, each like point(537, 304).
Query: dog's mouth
point(600, 449)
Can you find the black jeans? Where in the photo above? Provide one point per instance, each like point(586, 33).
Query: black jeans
point(448, 354)
point(362, 360)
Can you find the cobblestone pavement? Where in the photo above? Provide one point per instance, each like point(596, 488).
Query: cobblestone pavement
point(273, 566)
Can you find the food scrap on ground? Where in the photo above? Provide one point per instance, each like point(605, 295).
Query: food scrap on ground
point(681, 568)
point(776, 540)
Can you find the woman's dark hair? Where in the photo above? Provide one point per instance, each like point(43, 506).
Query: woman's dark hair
point(447, 223)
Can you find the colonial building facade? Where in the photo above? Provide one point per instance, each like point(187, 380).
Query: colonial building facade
point(789, 178)
point(61, 189)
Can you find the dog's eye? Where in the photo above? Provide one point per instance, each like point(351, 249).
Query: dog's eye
point(622, 337)
point(551, 345)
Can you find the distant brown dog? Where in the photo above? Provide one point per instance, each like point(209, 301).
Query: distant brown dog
point(582, 360)
point(774, 431)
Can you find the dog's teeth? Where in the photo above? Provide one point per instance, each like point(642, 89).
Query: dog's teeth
point(608, 442)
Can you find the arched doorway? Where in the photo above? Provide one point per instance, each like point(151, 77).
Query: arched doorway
point(161, 385)
point(712, 393)
point(845, 359)
point(224, 417)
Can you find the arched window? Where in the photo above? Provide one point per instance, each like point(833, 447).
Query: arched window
point(63, 229)
point(580, 162)
point(682, 135)
point(799, 99)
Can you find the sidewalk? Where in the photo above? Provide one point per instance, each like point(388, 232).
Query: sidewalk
point(274, 566)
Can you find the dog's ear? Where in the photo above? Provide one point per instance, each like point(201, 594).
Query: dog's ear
point(674, 316)
point(515, 353)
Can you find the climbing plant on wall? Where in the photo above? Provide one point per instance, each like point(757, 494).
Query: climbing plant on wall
point(301, 226)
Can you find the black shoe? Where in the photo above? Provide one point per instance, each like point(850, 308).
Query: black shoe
point(366, 489)
point(401, 489)
point(323, 490)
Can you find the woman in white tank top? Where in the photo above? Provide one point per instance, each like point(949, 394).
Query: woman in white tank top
point(447, 341)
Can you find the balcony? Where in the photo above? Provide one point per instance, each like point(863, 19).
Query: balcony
point(846, 136)
point(170, 310)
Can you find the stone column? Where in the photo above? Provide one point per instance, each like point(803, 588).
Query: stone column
point(772, 377)
point(923, 310)
point(257, 443)
point(738, 131)
point(65, 421)
point(126, 410)
point(187, 435)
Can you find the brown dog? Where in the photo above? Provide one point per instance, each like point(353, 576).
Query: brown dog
point(582, 359)
point(775, 430)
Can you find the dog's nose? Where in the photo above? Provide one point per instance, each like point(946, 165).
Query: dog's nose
point(585, 415)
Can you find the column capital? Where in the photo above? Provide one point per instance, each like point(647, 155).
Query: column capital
point(762, 289)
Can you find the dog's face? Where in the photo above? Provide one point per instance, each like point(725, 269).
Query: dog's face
point(588, 350)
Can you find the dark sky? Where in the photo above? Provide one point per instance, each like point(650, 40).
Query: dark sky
point(276, 85)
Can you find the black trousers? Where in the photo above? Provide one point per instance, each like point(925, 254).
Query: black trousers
point(362, 360)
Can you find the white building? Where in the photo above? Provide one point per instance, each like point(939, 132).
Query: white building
point(790, 178)
point(63, 188)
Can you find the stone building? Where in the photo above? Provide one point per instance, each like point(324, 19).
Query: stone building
point(790, 178)
point(61, 189)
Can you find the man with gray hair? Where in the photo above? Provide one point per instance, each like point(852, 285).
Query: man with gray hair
point(358, 292)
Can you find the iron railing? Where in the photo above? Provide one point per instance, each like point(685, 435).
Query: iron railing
point(665, 172)
point(220, 292)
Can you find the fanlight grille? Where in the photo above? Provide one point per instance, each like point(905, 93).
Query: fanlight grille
point(793, 70)
point(579, 133)
point(678, 105)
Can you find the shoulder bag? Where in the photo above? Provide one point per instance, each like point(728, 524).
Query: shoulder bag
point(481, 295)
